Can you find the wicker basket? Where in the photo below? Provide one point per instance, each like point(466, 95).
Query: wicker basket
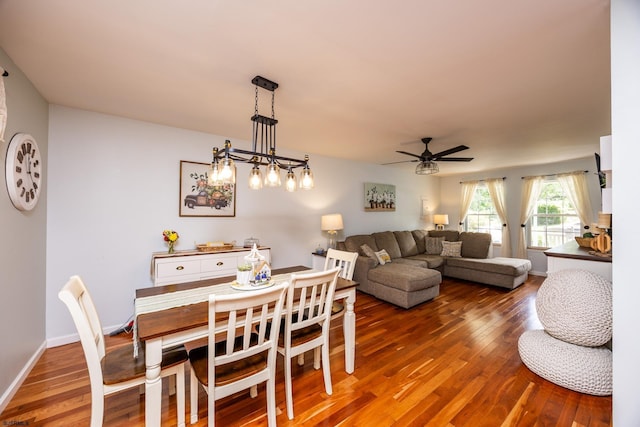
point(207, 248)
point(584, 242)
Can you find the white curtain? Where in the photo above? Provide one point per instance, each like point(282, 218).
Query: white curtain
point(468, 190)
point(496, 191)
point(530, 192)
point(3, 107)
point(574, 185)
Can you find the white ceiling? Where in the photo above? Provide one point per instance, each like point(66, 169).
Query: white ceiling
point(520, 82)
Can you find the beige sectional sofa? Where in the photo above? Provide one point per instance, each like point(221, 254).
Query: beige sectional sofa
point(414, 273)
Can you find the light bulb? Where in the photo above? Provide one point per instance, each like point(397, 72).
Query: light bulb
point(306, 179)
point(291, 183)
point(273, 176)
point(255, 178)
point(227, 174)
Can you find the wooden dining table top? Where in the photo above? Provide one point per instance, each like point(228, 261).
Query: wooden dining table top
point(176, 319)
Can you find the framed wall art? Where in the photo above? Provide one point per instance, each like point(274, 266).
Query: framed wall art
point(379, 197)
point(198, 198)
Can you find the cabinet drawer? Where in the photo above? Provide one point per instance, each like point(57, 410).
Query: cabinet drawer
point(177, 268)
point(221, 265)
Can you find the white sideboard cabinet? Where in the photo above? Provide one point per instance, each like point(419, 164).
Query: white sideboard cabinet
point(190, 266)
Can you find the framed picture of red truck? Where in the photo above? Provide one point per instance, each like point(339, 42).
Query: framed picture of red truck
point(199, 198)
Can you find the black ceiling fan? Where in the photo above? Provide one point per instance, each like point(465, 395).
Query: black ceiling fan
point(427, 156)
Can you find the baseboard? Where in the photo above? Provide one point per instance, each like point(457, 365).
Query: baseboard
point(538, 273)
point(22, 375)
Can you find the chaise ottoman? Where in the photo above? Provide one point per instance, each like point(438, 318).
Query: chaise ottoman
point(504, 272)
point(404, 285)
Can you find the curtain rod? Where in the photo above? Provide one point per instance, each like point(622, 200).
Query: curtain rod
point(551, 174)
point(482, 180)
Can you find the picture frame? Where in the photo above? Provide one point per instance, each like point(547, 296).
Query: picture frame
point(200, 199)
point(379, 197)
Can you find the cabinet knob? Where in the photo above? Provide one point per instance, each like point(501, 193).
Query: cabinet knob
point(180, 267)
point(220, 263)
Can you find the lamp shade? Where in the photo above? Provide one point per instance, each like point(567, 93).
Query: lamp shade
point(331, 222)
point(441, 219)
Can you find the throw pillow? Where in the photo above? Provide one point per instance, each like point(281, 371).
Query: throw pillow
point(451, 249)
point(370, 253)
point(383, 257)
point(433, 245)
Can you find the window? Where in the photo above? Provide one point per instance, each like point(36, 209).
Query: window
point(482, 216)
point(554, 220)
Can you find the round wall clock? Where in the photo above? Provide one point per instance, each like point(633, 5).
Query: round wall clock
point(23, 171)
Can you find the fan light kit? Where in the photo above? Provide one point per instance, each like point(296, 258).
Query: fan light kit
point(223, 170)
point(428, 165)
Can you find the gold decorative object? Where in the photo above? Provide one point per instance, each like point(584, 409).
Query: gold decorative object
point(602, 243)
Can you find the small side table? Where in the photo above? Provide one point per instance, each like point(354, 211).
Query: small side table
point(317, 260)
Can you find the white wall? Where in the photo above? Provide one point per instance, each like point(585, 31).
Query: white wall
point(113, 188)
point(625, 127)
point(22, 252)
point(450, 190)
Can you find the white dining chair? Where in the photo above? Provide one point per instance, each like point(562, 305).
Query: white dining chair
point(244, 348)
point(111, 371)
point(346, 261)
point(306, 324)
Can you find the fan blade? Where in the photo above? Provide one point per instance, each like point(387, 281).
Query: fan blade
point(455, 159)
point(410, 154)
point(402, 161)
point(437, 156)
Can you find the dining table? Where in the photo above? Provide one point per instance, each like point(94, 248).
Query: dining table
point(169, 315)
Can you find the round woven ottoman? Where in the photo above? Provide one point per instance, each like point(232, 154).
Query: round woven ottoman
point(579, 368)
point(576, 306)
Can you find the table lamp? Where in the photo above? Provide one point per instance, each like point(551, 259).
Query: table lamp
point(331, 224)
point(440, 220)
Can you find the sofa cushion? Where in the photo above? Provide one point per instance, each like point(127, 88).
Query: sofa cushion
point(418, 262)
point(354, 243)
point(433, 245)
point(387, 240)
point(383, 257)
point(406, 242)
point(370, 253)
point(407, 278)
point(475, 245)
point(418, 236)
point(432, 261)
point(508, 266)
point(451, 249)
point(449, 235)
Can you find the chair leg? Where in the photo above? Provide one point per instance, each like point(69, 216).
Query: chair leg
point(172, 385)
point(211, 406)
point(316, 358)
point(326, 369)
point(253, 391)
point(193, 395)
point(271, 402)
point(288, 388)
point(180, 394)
point(301, 359)
point(97, 409)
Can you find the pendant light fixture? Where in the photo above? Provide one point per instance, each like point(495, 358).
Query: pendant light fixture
point(263, 153)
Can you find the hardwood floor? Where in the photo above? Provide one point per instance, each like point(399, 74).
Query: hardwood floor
point(452, 361)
